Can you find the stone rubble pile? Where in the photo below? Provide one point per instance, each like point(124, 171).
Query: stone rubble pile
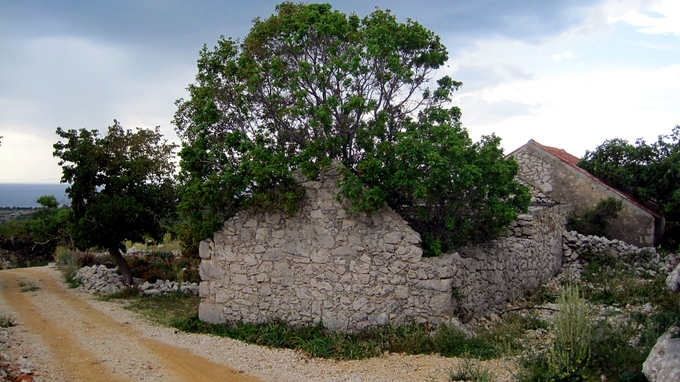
point(100, 279)
point(20, 369)
point(642, 260)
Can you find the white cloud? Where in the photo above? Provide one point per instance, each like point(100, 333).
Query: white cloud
point(659, 17)
point(564, 56)
point(579, 111)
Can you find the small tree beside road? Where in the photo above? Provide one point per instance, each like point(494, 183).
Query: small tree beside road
point(122, 187)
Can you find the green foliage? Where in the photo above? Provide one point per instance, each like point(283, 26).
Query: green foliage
point(122, 186)
point(317, 341)
point(68, 262)
point(619, 349)
point(609, 281)
point(620, 343)
point(309, 86)
point(164, 266)
point(597, 220)
point(572, 326)
point(472, 371)
point(34, 239)
point(650, 172)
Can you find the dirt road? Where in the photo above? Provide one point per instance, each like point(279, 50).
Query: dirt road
point(72, 336)
point(92, 346)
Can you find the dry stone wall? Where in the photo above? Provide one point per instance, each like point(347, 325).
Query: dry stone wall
point(643, 261)
point(353, 272)
point(100, 279)
point(501, 270)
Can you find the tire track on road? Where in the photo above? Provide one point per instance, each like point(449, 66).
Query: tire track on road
point(78, 334)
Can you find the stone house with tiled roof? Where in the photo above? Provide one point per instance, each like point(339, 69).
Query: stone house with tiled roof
point(554, 177)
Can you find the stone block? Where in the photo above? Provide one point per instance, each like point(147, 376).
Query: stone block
point(204, 250)
point(441, 285)
point(663, 362)
point(327, 242)
point(211, 313)
point(334, 322)
point(344, 250)
point(266, 290)
point(239, 279)
point(379, 319)
point(273, 254)
point(393, 237)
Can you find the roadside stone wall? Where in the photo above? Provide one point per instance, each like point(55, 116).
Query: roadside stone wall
point(100, 279)
point(352, 272)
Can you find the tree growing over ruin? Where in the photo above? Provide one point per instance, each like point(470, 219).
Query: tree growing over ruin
point(122, 187)
point(310, 85)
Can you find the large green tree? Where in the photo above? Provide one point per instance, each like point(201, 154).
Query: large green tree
point(122, 187)
point(310, 85)
point(649, 171)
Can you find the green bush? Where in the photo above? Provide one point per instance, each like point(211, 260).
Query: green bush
point(597, 220)
point(68, 263)
point(572, 326)
point(164, 266)
point(470, 371)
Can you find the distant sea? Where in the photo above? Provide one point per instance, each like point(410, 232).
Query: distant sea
point(26, 194)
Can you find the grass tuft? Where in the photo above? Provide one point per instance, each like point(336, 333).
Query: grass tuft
point(7, 321)
point(472, 371)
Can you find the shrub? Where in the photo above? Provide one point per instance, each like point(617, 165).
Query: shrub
point(570, 350)
point(164, 266)
point(597, 220)
point(470, 371)
point(68, 263)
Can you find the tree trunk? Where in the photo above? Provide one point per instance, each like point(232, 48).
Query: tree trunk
point(123, 266)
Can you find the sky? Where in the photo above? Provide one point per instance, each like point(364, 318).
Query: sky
point(566, 73)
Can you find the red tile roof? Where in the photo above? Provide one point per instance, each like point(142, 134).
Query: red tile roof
point(572, 161)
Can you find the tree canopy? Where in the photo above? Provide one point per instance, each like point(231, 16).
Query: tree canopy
point(34, 239)
point(650, 172)
point(122, 187)
point(310, 85)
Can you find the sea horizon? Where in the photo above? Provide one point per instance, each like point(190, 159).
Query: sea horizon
point(25, 194)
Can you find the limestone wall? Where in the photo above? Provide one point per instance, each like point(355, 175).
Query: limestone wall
point(492, 273)
point(355, 272)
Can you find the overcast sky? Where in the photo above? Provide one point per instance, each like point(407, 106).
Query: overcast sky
point(568, 74)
